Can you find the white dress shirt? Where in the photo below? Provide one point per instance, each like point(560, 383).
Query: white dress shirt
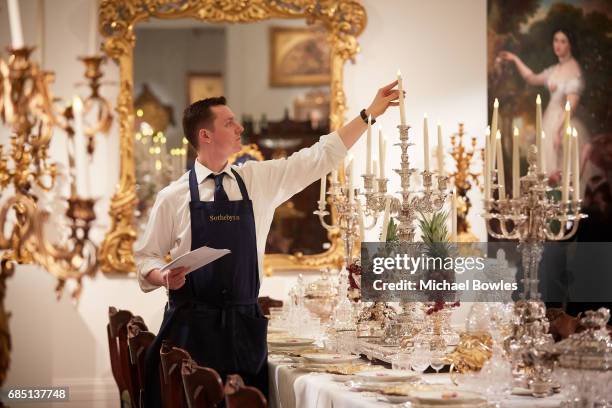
point(269, 184)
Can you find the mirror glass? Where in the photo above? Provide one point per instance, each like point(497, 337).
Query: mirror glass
point(275, 75)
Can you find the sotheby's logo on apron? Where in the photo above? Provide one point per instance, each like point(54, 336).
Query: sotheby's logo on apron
point(224, 217)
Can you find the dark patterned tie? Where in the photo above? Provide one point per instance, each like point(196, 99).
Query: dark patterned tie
point(220, 194)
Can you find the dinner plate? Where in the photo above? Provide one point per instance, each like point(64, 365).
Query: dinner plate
point(387, 375)
point(395, 399)
point(276, 330)
point(330, 358)
point(290, 342)
point(448, 397)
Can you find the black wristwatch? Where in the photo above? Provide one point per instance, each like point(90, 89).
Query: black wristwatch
point(364, 116)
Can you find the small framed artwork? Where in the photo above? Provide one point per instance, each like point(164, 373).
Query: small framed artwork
point(204, 85)
point(299, 56)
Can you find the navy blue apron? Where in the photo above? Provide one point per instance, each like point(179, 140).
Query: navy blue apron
point(215, 315)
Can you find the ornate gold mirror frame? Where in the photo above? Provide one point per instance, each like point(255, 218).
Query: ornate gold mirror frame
point(344, 20)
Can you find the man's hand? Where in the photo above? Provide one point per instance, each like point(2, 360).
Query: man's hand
point(385, 97)
point(171, 279)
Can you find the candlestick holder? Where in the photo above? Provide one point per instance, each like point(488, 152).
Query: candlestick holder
point(531, 219)
point(27, 108)
point(94, 103)
point(411, 202)
point(347, 223)
point(463, 180)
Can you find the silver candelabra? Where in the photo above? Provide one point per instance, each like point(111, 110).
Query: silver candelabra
point(428, 200)
point(532, 218)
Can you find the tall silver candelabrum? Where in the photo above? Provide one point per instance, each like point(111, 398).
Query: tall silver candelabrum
point(428, 200)
point(410, 203)
point(532, 218)
point(347, 220)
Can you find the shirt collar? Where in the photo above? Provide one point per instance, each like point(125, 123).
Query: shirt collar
point(202, 171)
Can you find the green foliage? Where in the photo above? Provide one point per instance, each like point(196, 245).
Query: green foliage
point(392, 231)
point(435, 234)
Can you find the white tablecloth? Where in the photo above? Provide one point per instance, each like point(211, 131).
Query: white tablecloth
point(291, 388)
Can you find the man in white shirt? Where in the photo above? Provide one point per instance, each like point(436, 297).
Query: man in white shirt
point(212, 312)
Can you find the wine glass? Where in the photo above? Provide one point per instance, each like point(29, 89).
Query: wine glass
point(401, 361)
point(421, 357)
point(437, 361)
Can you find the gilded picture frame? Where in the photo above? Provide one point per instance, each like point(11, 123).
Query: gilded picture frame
point(299, 56)
point(343, 20)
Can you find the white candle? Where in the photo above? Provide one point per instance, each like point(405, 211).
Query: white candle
point(539, 129)
point(567, 117)
point(381, 153)
point(566, 165)
point(375, 167)
point(500, 166)
point(323, 188)
point(440, 153)
point(385, 226)
point(80, 147)
point(454, 216)
point(541, 155)
point(369, 147)
point(402, 109)
point(351, 192)
point(516, 189)
point(384, 148)
point(575, 167)
point(15, 23)
point(92, 48)
point(487, 168)
point(360, 220)
point(426, 143)
point(334, 176)
point(495, 119)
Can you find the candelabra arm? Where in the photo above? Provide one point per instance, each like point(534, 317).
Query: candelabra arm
point(322, 212)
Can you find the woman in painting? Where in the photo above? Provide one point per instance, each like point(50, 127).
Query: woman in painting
point(565, 82)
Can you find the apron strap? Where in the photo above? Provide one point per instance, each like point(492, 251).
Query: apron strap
point(193, 186)
point(243, 190)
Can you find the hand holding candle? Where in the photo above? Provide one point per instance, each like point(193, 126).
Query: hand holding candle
point(402, 109)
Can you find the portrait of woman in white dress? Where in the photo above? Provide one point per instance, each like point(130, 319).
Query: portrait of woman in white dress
point(565, 82)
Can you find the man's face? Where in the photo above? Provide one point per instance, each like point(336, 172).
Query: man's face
point(224, 137)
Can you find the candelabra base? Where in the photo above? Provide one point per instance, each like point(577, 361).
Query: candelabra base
point(526, 347)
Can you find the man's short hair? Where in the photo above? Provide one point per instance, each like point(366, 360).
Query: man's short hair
point(199, 115)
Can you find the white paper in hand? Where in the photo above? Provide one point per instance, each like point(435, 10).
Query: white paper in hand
point(196, 258)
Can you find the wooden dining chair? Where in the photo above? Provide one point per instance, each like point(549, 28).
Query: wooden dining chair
point(266, 302)
point(139, 341)
point(124, 372)
point(238, 395)
point(203, 385)
point(173, 391)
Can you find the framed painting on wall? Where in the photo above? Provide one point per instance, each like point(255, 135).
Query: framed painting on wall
point(299, 57)
point(204, 85)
